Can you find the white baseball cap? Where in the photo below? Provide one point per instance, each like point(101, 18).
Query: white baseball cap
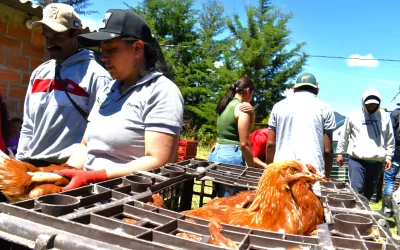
point(59, 17)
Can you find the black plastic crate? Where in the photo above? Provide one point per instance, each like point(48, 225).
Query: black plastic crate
point(339, 194)
point(117, 214)
point(45, 232)
point(206, 188)
point(357, 224)
point(396, 210)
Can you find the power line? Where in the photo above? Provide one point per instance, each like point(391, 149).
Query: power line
point(357, 58)
point(263, 53)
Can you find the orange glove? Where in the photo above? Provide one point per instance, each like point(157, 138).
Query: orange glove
point(82, 177)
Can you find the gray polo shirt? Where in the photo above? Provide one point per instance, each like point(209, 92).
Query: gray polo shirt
point(300, 122)
point(116, 129)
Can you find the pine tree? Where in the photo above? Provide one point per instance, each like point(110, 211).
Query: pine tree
point(192, 43)
point(262, 53)
point(80, 6)
point(191, 52)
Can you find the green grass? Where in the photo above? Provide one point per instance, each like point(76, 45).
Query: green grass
point(392, 223)
point(203, 151)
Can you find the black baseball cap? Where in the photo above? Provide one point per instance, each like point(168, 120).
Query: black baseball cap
point(118, 23)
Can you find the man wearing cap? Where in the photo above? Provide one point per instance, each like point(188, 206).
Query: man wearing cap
point(61, 91)
point(367, 138)
point(301, 127)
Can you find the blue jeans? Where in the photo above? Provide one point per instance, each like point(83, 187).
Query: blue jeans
point(390, 177)
point(229, 154)
point(364, 176)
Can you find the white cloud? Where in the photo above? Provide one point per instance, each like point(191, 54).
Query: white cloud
point(93, 24)
point(362, 61)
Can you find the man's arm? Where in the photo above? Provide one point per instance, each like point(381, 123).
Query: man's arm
point(344, 137)
point(271, 146)
point(328, 154)
point(27, 125)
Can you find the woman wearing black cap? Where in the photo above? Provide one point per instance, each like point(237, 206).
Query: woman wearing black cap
point(137, 123)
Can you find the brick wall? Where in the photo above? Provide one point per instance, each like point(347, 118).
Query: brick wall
point(21, 51)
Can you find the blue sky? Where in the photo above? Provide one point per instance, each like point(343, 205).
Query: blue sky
point(356, 28)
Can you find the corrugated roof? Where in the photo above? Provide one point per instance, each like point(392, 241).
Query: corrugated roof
point(32, 9)
point(25, 6)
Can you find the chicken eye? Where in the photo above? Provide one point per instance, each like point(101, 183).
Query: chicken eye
point(293, 170)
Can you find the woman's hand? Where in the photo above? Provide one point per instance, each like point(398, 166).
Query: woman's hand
point(246, 108)
point(82, 177)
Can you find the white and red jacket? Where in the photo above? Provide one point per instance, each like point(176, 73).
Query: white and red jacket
point(52, 125)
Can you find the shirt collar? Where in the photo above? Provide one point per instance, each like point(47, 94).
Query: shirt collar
point(115, 89)
point(304, 92)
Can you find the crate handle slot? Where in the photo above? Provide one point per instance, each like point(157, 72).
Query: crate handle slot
point(45, 241)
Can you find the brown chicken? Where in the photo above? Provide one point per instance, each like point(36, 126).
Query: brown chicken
point(311, 209)
point(277, 203)
point(217, 238)
point(241, 200)
point(157, 201)
point(21, 180)
point(189, 236)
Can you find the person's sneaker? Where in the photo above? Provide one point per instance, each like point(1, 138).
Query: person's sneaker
point(387, 212)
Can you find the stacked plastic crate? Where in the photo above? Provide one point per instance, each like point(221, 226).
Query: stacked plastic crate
point(340, 173)
point(187, 149)
point(121, 214)
point(346, 213)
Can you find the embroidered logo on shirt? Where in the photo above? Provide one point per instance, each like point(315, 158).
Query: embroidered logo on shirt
point(369, 122)
point(132, 105)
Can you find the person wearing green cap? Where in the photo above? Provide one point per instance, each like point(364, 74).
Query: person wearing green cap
point(301, 127)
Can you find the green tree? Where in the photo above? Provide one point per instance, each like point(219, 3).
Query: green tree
point(80, 6)
point(193, 44)
point(191, 51)
point(263, 52)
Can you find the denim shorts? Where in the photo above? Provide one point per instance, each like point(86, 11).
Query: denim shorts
point(227, 153)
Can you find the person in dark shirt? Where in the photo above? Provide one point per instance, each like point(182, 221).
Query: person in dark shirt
point(15, 131)
point(390, 175)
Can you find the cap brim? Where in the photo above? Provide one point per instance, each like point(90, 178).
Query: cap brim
point(371, 101)
point(94, 39)
point(52, 25)
point(305, 84)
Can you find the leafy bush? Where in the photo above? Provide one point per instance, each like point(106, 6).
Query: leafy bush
point(205, 136)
